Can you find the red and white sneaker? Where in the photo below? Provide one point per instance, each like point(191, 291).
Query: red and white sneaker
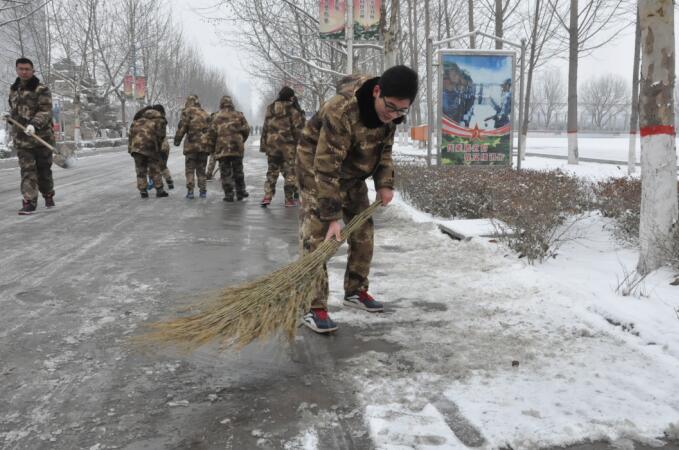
point(318, 320)
point(266, 201)
point(363, 300)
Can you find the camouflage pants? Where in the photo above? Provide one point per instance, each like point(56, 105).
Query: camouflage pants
point(195, 168)
point(148, 166)
point(212, 163)
point(278, 162)
point(312, 233)
point(36, 172)
point(231, 172)
point(165, 172)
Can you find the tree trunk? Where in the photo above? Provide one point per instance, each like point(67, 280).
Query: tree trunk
point(498, 23)
point(656, 126)
point(532, 60)
point(417, 116)
point(470, 11)
point(573, 85)
point(446, 12)
point(634, 117)
point(391, 36)
point(427, 33)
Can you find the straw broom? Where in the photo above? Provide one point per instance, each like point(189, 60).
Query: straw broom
point(257, 309)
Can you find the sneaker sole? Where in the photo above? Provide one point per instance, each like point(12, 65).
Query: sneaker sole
point(361, 306)
point(313, 327)
point(24, 213)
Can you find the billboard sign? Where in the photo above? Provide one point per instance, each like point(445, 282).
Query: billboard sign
point(476, 90)
point(128, 81)
point(332, 19)
point(367, 14)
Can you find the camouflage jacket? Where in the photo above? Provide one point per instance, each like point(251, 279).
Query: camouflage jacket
point(30, 103)
point(282, 128)
point(147, 132)
point(338, 148)
point(228, 130)
point(165, 147)
point(194, 125)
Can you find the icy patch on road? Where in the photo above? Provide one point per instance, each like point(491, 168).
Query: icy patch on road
point(307, 441)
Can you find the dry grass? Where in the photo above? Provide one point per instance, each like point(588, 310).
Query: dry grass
point(254, 310)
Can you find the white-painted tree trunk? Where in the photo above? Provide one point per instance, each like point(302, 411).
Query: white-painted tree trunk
point(658, 199)
point(656, 125)
point(573, 148)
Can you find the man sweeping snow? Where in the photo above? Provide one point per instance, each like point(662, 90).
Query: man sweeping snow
point(346, 142)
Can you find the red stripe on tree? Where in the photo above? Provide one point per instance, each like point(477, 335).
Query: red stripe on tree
point(656, 130)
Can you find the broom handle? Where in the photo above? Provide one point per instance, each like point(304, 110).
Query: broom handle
point(34, 136)
point(359, 220)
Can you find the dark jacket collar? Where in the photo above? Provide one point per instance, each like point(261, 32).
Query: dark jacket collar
point(366, 105)
point(31, 85)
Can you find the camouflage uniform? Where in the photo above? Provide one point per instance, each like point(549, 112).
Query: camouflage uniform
point(147, 133)
point(337, 152)
point(30, 103)
point(194, 125)
point(228, 132)
point(283, 125)
point(164, 156)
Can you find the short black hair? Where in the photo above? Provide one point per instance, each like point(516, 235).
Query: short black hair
point(285, 94)
point(399, 82)
point(23, 60)
point(159, 108)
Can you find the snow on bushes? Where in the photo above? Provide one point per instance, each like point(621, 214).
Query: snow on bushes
point(534, 204)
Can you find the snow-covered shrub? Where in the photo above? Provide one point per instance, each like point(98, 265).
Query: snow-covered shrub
point(620, 198)
point(534, 204)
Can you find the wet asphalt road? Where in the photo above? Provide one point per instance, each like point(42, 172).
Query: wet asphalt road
point(76, 282)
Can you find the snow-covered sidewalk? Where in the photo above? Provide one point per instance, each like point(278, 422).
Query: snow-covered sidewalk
point(495, 352)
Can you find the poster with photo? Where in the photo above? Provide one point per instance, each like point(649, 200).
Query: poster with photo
point(332, 19)
point(476, 90)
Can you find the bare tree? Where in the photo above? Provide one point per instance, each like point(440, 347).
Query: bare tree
point(634, 116)
point(658, 152)
point(550, 95)
point(540, 33)
point(604, 97)
point(588, 27)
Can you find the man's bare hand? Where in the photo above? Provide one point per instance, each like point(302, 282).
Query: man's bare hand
point(334, 229)
point(386, 195)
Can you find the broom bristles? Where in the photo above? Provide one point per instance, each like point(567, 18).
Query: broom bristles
point(256, 309)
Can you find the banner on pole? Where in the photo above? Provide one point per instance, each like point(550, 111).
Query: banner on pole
point(332, 19)
point(367, 15)
point(128, 81)
point(475, 107)
point(140, 87)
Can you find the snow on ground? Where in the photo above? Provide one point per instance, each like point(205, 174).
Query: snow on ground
point(495, 352)
point(606, 148)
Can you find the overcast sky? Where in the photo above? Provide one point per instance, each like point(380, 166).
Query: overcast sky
point(615, 58)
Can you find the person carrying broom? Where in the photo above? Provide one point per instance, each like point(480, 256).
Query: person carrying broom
point(30, 103)
point(348, 140)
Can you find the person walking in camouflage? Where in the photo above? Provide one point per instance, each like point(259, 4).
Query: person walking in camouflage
point(147, 133)
point(193, 124)
point(30, 104)
point(347, 141)
point(282, 130)
point(228, 132)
